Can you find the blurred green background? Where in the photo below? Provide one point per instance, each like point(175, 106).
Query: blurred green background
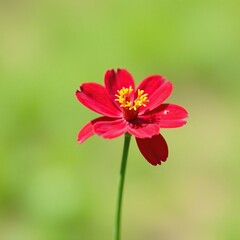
point(52, 188)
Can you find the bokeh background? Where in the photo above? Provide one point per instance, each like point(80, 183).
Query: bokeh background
point(52, 188)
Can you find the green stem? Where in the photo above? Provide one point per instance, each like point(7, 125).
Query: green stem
point(117, 227)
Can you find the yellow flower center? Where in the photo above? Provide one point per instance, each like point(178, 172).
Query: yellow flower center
point(123, 97)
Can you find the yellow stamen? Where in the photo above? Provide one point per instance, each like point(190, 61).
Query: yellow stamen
point(123, 97)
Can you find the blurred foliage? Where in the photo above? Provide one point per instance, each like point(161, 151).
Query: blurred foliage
point(52, 188)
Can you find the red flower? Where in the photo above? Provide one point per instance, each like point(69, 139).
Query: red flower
point(137, 111)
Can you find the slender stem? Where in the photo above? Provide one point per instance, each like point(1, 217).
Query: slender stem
point(117, 228)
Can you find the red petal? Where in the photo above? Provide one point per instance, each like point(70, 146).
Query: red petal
point(155, 149)
point(167, 116)
point(88, 130)
point(158, 91)
point(143, 130)
point(117, 80)
point(95, 97)
point(110, 128)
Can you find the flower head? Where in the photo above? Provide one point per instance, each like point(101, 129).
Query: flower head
point(138, 111)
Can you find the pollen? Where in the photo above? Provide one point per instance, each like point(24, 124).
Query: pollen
point(124, 98)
